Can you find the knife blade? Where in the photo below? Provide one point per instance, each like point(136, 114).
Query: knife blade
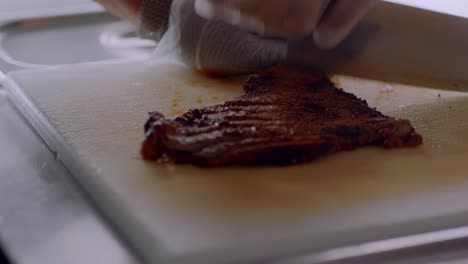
point(397, 43)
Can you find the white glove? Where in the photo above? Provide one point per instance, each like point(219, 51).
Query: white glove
point(328, 20)
point(212, 45)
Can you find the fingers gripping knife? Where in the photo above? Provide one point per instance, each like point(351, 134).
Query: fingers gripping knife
point(420, 47)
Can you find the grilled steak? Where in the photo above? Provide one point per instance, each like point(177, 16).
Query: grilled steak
point(285, 116)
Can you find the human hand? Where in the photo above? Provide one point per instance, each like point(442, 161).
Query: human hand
point(213, 46)
point(329, 21)
point(127, 9)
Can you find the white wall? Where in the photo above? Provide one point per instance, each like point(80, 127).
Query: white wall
point(454, 7)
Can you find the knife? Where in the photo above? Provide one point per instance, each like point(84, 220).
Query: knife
point(397, 43)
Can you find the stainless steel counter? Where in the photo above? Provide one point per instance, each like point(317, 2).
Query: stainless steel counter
point(44, 216)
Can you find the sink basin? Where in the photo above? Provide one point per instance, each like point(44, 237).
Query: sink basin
point(45, 42)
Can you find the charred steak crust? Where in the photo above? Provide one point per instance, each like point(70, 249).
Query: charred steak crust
point(285, 116)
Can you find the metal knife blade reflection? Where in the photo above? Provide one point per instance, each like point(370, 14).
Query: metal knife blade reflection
point(397, 43)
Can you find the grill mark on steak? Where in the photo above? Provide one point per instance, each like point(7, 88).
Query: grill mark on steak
point(285, 116)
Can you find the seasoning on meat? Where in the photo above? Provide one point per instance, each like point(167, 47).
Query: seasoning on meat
point(285, 116)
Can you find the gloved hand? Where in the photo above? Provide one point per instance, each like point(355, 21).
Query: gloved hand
point(328, 20)
point(217, 36)
point(211, 46)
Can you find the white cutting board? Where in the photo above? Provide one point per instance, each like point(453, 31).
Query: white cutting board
point(92, 115)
